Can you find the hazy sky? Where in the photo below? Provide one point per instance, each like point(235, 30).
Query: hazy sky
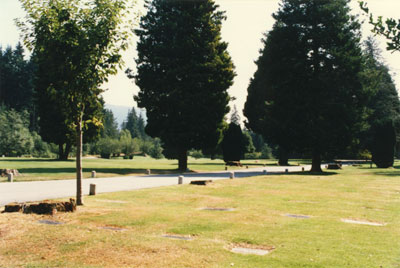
point(247, 21)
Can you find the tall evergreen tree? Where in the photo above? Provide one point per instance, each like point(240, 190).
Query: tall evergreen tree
point(16, 79)
point(235, 117)
point(184, 71)
point(384, 104)
point(110, 125)
point(131, 124)
point(306, 94)
point(233, 144)
point(141, 127)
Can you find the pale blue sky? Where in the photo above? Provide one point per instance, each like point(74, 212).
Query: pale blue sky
point(243, 30)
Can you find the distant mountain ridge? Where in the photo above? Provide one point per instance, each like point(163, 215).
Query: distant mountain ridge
point(121, 112)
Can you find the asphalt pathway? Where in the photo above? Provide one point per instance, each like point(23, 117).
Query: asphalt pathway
point(41, 190)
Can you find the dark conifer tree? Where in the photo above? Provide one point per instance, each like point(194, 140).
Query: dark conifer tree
point(384, 106)
point(110, 125)
point(306, 94)
point(233, 143)
point(131, 124)
point(16, 79)
point(184, 71)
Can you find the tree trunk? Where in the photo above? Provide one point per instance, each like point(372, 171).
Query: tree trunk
point(316, 162)
point(79, 197)
point(182, 160)
point(283, 157)
point(67, 150)
point(64, 153)
point(61, 152)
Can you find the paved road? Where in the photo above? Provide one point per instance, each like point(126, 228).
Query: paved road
point(40, 190)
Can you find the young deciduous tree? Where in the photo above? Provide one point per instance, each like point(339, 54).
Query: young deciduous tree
point(183, 72)
point(78, 43)
point(306, 94)
point(388, 28)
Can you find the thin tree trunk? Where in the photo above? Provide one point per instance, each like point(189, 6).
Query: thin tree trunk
point(182, 160)
point(316, 162)
point(67, 150)
point(61, 152)
point(79, 197)
point(64, 153)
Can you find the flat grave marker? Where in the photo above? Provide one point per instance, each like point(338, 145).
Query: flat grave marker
point(260, 252)
point(179, 237)
point(363, 222)
point(48, 222)
point(297, 216)
point(218, 209)
point(112, 228)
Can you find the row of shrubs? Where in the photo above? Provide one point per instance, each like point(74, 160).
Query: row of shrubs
point(128, 146)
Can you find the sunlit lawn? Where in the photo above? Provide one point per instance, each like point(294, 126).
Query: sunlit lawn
point(45, 169)
point(260, 203)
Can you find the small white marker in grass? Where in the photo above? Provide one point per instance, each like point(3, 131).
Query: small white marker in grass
point(363, 222)
point(260, 252)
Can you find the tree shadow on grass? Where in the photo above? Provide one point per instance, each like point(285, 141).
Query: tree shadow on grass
point(308, 173)
point(119, 171)
point(390, 172)
point(223, 164)
point(35, 160)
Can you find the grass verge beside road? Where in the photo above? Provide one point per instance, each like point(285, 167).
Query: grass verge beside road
point(34, 169)
point(136, 222)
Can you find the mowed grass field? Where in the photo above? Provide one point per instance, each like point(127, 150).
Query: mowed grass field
point(47, 169)
point(126, 229)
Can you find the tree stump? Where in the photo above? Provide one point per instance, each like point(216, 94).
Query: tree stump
point(44, 207)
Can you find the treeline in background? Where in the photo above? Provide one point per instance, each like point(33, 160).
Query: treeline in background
point(24, 133)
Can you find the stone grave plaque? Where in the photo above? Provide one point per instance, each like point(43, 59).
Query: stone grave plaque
point(253, 251)
point(50, 222)
point(179, 237)
point(297, 216)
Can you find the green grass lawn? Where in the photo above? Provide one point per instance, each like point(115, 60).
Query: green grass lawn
point(258, 220)
point(45, 169)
